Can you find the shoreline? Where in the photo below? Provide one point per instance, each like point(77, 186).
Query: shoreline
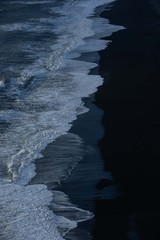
point(83, 186)
point(118, 177)
point(81, 127)
point(130, 147)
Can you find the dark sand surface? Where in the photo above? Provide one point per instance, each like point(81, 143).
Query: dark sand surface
point(128, 207)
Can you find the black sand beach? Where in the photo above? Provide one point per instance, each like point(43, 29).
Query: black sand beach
point(127, 207)
point(131, 101)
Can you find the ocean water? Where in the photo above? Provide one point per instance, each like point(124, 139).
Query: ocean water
point(42, 86)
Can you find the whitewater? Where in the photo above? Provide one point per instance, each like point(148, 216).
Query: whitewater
point(42, 86)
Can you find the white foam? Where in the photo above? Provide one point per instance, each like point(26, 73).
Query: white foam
point(25, 27)
point(2, 84)
point(24, 214)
